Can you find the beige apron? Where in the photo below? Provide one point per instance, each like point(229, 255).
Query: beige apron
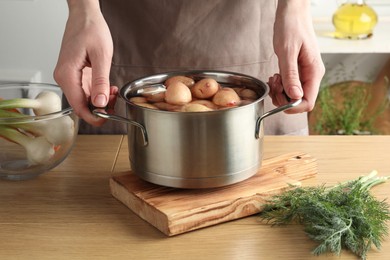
point(153, 36)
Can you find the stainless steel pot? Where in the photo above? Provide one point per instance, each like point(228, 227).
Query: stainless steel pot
point(196, 149)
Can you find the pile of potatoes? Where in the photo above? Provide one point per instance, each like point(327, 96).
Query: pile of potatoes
point(183, 94)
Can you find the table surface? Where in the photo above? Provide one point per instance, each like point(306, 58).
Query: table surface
point(69, 213)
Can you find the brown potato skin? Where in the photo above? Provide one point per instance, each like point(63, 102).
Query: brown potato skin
point(167, 107)
point(189, 82)
point(138, 100)
point(205, 88)
point(193, 107)
point(178, 94)
point(183, 94)
point(159, 97)
point(238, 90)
point(226, 97)
point(247, 93)
point(147, 105)
point(206, 103)
point(244, 102)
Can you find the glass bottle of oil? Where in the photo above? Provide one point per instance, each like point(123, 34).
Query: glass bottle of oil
point(354, 20)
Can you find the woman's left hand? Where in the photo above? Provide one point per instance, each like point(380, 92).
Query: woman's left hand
point(300, 64)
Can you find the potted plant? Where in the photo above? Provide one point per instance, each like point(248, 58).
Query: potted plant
point(349, 108)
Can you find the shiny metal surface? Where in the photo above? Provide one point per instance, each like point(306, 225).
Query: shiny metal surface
point(190, 150)
point(274, 111)
point(152, 89)
point(103, 114)
point(196, 149)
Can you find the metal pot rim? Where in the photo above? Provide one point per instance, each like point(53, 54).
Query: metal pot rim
point(222, 77)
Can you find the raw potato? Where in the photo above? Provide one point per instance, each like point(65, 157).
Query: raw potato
point(189, 82)
point(178, 94)
point(167, 107)
point(238, 90)
point(206, 103)
point(183, 94)
point(191, 107)
point(205, 88)
point(137, 100)
point(246, 102)
point(247, 93)
point(159, 97)
point(147, 105)
point(142, 102)
point(226, 97)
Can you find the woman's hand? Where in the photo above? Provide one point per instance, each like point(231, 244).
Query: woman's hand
point(300, 64)
point(84, 61)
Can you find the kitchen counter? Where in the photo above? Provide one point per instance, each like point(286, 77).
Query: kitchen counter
point(378, 43)
point(69, 212)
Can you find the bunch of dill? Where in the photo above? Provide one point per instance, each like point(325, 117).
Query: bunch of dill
point(345, 216)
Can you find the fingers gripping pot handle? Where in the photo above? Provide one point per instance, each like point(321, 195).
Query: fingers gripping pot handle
point(272, 112)
point(103, 114)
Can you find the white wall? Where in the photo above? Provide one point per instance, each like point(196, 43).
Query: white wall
point(30, 38)
point(326, 8)
point(340, 67)
point(31, 33)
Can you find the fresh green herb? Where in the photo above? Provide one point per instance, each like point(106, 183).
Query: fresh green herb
point(345, 216)
point(350, 115)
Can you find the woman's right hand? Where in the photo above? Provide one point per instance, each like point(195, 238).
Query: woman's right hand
point(84, 61)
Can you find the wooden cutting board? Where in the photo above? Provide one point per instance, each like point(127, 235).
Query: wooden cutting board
point(174, 211)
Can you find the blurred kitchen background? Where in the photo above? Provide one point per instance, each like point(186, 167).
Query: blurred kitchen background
point(31, 32)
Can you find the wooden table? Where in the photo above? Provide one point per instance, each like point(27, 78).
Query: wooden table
point(69, 213)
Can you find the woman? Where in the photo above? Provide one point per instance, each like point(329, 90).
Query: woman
point(109, 43)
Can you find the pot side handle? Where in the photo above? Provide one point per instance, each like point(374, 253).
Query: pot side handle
point(272, 112)
point(103, 114)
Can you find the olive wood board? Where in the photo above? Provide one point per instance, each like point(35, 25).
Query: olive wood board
point(174, 211)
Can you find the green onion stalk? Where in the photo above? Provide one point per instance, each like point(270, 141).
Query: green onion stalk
point(39, 138)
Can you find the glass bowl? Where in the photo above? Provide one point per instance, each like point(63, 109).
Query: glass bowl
point(31, 144)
